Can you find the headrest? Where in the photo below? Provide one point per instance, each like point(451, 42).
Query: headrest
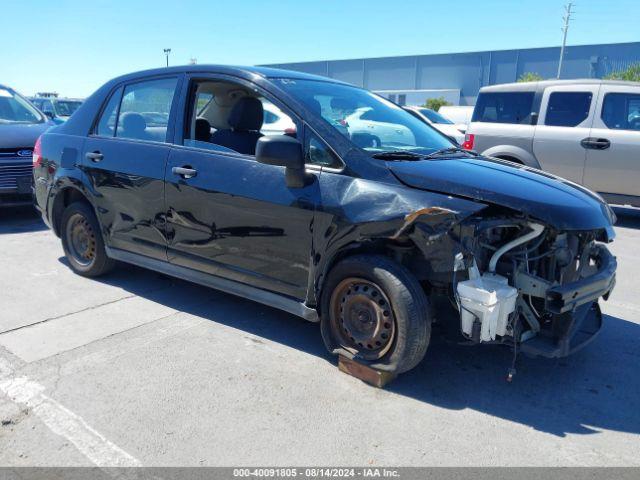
point(133, 123)
point(203, 130)
point(246, 114)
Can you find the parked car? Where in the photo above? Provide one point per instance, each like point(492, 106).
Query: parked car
point(275, 121)
point(360, 236)
point(20, 126)
point(460, 115)
point(437, 121)
point(57, 109)
point(587, 131)
point(368, 121)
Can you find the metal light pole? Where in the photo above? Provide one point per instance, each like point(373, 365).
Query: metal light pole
point(167, 51)
point(565, 28)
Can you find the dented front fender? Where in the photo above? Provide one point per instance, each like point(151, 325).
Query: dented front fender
point(356, 213)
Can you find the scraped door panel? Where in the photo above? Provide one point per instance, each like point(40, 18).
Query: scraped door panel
point(236, 218)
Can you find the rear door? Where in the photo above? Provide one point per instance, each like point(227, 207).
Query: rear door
point(124, 159)
point(613, 147)
point(566, 114)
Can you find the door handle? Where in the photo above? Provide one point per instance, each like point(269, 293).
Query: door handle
point(595, 143)
point(184, 172)
point(95, 157)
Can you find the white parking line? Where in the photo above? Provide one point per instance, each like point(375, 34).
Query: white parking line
point(63, 421)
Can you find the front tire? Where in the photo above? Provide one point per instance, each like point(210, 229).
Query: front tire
point(375, 311)
point(82, 241)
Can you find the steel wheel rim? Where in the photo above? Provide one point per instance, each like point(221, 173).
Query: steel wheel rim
point(81, 240)
point(362, 319)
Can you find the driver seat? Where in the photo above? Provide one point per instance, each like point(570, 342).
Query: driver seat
point(245, 120)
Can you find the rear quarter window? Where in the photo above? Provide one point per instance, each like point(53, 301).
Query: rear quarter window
point(504, 107)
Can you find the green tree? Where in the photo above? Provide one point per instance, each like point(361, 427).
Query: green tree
point(530, 77)
point(631, 74)
point(436, 103)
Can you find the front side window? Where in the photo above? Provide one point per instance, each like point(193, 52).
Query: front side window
point(144, 110)
point(504, 107)
point(16, 109)
point(319, 154)
point(621, 111)
point(568, 109)
point(233, 118)
point(371, 122)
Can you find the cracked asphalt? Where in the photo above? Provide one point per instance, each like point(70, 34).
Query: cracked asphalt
point(137, 368)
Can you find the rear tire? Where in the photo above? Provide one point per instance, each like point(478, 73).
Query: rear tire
point(375, 311)
point(82, 241)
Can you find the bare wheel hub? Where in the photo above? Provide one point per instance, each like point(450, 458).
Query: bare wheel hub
point(362, 319)
point(81, 240)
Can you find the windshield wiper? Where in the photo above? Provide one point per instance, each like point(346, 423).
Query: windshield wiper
point(449, 150)
point(398, 155)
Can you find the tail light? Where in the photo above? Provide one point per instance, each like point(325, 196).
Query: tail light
point(468, 141)
point(37, 153)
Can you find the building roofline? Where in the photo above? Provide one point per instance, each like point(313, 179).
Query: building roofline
point(474, 52)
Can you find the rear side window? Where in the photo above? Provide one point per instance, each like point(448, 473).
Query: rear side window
point(144, 110)
point(107, 124)
point(504, 107)
point(568, 109)
point(621, 111)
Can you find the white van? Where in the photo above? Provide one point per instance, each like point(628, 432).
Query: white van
point(587, 131)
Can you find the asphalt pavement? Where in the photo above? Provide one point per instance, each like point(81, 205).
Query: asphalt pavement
point(137, 368)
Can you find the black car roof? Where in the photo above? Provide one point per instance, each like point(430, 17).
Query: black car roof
point(265, 72)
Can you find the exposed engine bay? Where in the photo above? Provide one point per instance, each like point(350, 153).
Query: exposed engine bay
point(529, 285)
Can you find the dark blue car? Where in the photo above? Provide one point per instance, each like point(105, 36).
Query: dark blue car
point(374, 226)
point(20, 126)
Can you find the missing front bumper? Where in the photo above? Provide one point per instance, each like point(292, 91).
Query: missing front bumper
point(586, 323)
point(578, 318)
point(567, 297)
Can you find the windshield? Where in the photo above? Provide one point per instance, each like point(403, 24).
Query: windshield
point(15, 109)
point(434, 116)
point(368, 120)
point(65, 108)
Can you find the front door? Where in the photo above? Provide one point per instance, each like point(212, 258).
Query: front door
point(229, 215)
point(565, 120)
point(125, 159)
point(613, 156)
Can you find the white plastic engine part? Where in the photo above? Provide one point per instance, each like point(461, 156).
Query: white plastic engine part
point(491, 300)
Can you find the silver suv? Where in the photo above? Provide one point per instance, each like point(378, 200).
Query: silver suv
point(587, 131)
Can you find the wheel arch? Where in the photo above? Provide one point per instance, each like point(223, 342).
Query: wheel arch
point(64, 197)
point(513, 153)
point(400, 252)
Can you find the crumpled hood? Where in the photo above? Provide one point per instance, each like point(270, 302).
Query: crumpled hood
point(543, 196)
point(21, 135)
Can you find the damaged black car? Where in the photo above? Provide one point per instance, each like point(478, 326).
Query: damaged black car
point(329, 202)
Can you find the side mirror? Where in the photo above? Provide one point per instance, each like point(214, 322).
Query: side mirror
point(49, 114)
point(283, 151)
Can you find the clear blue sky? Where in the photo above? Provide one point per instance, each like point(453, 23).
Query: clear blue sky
point(73, 46)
